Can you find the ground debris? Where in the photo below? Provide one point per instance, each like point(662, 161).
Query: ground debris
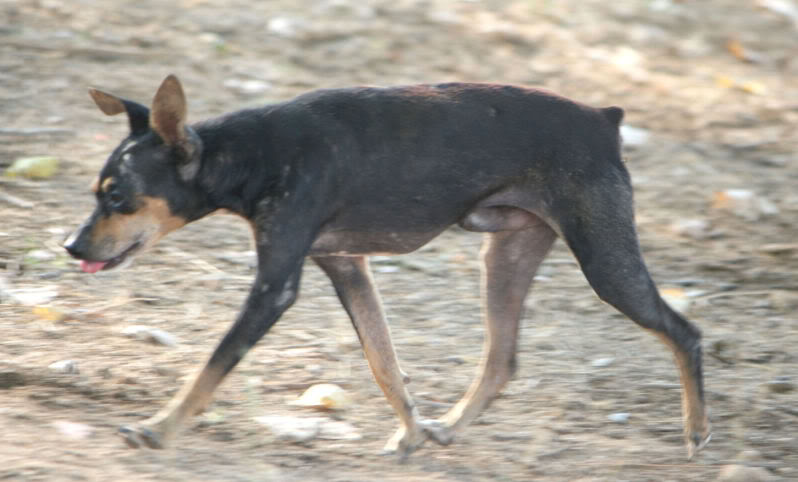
point(152, 335)
point(781, 385)
point(73, 430)
point(325, 396)
point(64, 366)
point(304, 429)
point(744, 203)
point(743, 473)
point(40, 167)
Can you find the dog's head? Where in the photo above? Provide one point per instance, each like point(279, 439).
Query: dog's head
point(146, 188)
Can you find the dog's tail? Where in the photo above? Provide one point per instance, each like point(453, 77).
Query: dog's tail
point(613, 114)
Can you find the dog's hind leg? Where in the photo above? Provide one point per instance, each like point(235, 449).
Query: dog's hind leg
point(598, 225)
point(510, 260)
point(352, 281)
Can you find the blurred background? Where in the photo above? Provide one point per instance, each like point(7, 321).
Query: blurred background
point(711, 99)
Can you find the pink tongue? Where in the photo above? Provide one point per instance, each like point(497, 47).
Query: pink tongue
point(92, 266)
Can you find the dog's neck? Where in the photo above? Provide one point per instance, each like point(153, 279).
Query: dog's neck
point(241, 162)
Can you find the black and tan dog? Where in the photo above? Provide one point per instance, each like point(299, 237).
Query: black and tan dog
point(338, 175)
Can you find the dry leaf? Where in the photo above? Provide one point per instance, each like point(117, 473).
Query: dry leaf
point(324, 395)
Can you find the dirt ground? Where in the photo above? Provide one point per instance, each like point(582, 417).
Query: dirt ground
point(712, 104)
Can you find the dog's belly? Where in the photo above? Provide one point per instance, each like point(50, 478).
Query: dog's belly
point(359, 243)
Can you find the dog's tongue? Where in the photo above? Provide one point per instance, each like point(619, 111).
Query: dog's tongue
point(92, 266)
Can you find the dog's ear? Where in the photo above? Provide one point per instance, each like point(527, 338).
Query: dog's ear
point(137, 114)
point(168, 114)
point(168, 120)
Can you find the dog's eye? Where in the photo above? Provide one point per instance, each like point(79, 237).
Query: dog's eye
point(115, 199)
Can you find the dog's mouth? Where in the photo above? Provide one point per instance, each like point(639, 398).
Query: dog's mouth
point(95, 266)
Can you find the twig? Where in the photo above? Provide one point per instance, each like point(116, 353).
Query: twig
point(35, 131)
point(15, 201)
point(81, 316)
point(724, 294)
point(89, 51)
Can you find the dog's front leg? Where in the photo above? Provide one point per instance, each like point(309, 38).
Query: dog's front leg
point(355, 287)
point(269, 297)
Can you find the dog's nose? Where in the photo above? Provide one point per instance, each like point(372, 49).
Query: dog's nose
point(72, 246)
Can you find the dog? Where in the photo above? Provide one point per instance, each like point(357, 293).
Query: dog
point(340, 174)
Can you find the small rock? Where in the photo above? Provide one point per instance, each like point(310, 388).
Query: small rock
point(249, 87)
point(303, 430)
point(39, 295)
point(691, 228)
point(314, 369)
point(77, 431)
point(292, 429)
point(285, 26)
point(621, 417)
point(634, 136)
point(742, 473)
point(40, 255)
point(602, 362)
point(64, 366)
point(153, 335)
point(781, 385)
point(337, 430)
point(744, 203)
point(211, 38)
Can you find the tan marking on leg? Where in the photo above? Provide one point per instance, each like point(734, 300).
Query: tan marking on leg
point(510, 260)
point(192, 399)
point(355, 286)
point(696, 420)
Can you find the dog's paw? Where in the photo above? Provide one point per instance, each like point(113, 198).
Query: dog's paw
point(438, 431)
point(696, 442)
point(137, 436)
point(404, 442)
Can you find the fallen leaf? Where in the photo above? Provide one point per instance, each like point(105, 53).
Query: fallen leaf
point(48, 313)
point(325, 396)
point(41, 167)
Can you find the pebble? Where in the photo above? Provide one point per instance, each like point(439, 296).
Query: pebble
point(40, 255)
point(64, 366)
point(285, 26)
point(73, 430)
point(153, 335)
point(744, 203)
point(634, 136)
point(602, 362)
point(305, 429)
point(691, 228)
point(38, 295)
point(620, 417)
point(249, 87)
